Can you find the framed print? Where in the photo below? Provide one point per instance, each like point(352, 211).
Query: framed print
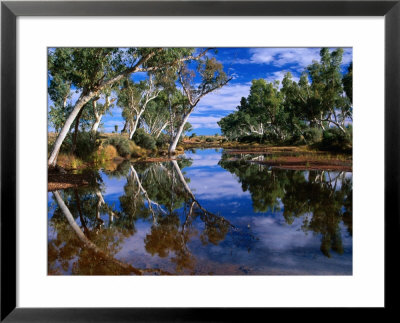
point(188, 153)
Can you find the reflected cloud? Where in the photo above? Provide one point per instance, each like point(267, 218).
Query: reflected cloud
point(204, 215)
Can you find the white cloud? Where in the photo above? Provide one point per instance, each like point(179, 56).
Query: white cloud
point(204, 121)
point(225, 99)
point(299, 57)
point(279, 75)
point(213, 185)
point(282, 56)
point(199, 160)
point(347, 56)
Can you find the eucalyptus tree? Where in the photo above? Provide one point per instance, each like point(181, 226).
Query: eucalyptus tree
point(134, 98)
point(298, 103)
point(157, 117)
point(233, 125)
point(100, 109)
point(59, 93)
point(212, 77)
point(260, 114)
point(321, 98)
point(91, 70)
point(348, 82)
point(331, 105)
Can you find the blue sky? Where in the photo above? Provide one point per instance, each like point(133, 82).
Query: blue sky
point(244, 64)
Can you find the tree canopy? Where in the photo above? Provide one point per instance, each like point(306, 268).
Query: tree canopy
point(322, 98)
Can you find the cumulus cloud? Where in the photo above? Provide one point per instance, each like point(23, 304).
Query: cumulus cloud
point(279, 75)
point(298, 57)
point(211, 185)
point(225, 99)
point(199, 160)
point(204, 121)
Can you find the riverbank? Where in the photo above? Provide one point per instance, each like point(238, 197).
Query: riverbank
point(70, 170)
point(296, 158)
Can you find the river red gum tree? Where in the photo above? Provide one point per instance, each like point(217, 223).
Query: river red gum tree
point(92, 70)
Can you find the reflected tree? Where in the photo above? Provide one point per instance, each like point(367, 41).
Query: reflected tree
point(322, 199)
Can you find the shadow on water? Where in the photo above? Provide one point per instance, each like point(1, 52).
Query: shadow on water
point(169, 218)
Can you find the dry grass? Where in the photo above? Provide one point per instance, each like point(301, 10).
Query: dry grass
point(69, 161)
point(108, 152)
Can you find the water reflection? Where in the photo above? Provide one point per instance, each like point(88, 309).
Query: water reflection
point(204, 214)
point(322, 199)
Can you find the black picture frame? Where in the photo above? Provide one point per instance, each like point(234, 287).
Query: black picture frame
point(10, 10)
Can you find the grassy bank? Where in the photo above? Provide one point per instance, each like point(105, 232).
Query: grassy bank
point(106, 151)
point(109, 150)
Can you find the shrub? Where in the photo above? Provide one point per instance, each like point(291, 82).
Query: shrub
point(66, 160)
point(162, 140)
point(87, 144)
point(334, 139)
point(192, 135)
point(144, 140)
point(312, 135)
point(209, 140)
point(121, 144)
point(108, 152)
point(250, 138)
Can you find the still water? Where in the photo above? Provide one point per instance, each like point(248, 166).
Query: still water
point(205, 214)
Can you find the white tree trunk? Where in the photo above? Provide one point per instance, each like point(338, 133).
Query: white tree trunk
point(83, 99)
point(97, 123)
point(97, 115)
point(64, 131)
point(182, 179)
point(162, 128)
point(173, 144)
point(135, 124)
point(89, 244)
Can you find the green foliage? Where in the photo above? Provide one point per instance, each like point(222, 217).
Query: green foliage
point(121, 143)
point(312, 135)
point(348, 82)
point(144, 140)
point(193, 135)
point(116, 128)
point(297, 112)
point(87, 144)
point(335, 140)
point(162, 140)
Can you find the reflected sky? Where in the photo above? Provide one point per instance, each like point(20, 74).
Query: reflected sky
point(205, 215)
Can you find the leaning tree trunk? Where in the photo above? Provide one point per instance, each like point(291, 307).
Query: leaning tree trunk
point(83, 99)
point(97, 116)
point(88, 243)
point(173, 144)
point(160, 131)
point(78, 118)
point(135, 124)
point(64, 131)
point(96, 124)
